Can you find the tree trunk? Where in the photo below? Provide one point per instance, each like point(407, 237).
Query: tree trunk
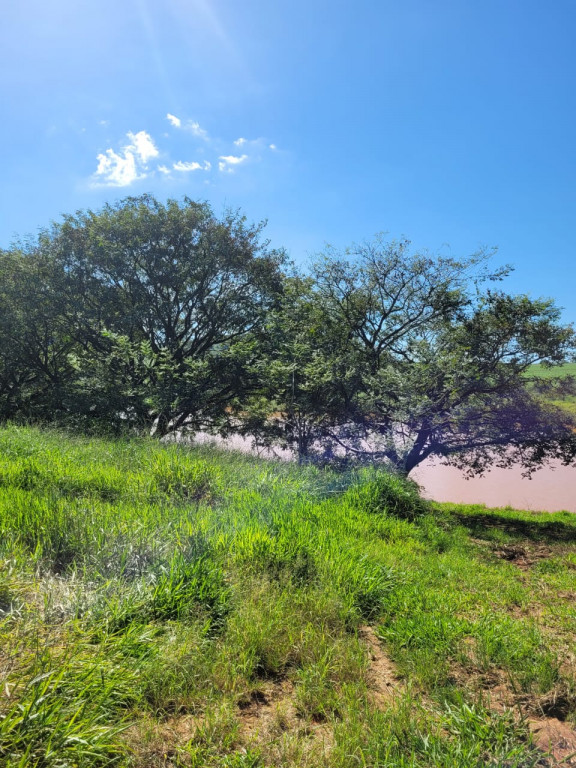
point(161, 426)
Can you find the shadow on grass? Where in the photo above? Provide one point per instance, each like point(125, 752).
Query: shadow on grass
point(538, 530)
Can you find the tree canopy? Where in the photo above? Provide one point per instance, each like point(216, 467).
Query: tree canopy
point(164, 317)
point(155, 298)
point(443, 357)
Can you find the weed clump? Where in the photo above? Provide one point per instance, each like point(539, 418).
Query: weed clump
point(176, 594)
point(388, 493)
point(175, 476)
point(278, 554)
point(70, 713)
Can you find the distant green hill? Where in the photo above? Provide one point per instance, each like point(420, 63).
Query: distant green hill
point(549, 373)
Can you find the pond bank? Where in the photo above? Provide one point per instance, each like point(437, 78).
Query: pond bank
point(551, 489)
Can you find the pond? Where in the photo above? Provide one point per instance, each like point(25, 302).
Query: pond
point(551, 489)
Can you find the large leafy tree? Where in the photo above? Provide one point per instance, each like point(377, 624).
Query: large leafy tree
point(443, 360)
point(157, 298)
point(461, 392)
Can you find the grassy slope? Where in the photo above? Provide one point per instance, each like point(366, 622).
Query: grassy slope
point(170, 607)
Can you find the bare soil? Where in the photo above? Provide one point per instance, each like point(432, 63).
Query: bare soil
point(383, 680)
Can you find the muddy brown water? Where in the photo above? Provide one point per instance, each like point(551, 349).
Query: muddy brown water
point(551, 489)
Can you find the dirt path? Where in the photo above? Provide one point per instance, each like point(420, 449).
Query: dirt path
point(383, 680)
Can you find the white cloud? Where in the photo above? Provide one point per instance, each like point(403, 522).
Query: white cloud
point(120, 169)
point(180, 166)
point(227, 162)
point(191, 126)
point(143, 145)
point(256, 144)
point(140, 158)
point(192, 166)
point(194, 128)
point(233, 160)
point(116, 170)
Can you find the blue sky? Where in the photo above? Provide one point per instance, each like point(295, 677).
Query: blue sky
point(449, 122)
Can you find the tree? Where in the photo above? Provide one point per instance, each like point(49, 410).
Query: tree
point(157, 299)
point(35, 340)
point(442, 360)
point(164, 317)
point(305, 366)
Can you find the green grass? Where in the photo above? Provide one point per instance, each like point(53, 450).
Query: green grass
point(566, 402)
point(568, 369)
point(169, 606)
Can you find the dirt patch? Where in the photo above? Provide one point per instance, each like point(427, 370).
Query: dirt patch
point(270, 713)
point(556, 739)
point(265, 718)
point(493, 685)
point(546, 716)
point(156, 742)
point(566, 595)
point(268, 718)
point(384, 682)
point(270, 707)
point(523, 557)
